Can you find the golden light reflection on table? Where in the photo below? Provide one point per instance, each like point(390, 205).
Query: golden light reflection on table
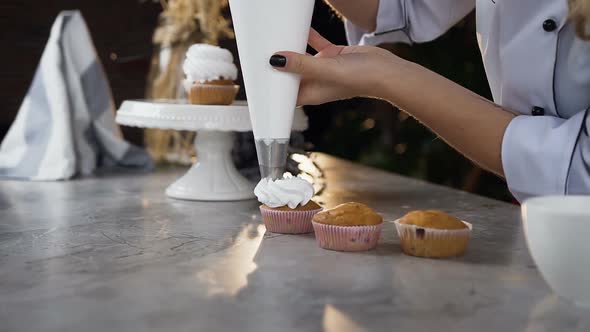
point(514, 277)
point(230, 273)
point(337, 321)
point(307, 165)
point(310, 171)
point(542, 308)
point(145, 203)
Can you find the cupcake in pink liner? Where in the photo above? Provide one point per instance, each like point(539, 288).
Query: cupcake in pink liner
point(287, 207)
point(290, 221)
point(348, 227)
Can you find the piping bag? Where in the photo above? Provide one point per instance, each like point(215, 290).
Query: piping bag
point(262, 28)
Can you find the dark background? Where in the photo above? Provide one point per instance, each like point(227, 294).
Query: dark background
point(368, 131)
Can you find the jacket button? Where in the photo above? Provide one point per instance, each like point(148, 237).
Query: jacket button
point(538, 111)
point(549, 25)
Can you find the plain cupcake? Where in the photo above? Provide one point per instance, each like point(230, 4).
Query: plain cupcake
point(348, 227)
point(287, 207)
point(433, 233)
point(210, 75)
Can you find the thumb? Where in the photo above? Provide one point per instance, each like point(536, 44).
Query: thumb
point(305, 65)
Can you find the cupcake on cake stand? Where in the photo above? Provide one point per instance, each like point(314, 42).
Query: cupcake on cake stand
point(213, 177)
point(209, 110)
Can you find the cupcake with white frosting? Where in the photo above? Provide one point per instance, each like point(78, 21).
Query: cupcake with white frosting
point(287, 207)
point(210, 74)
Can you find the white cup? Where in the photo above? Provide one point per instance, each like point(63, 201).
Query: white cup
point(557, 230)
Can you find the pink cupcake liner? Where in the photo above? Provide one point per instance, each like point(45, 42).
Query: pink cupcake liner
point(347, 238)
point(288, 222)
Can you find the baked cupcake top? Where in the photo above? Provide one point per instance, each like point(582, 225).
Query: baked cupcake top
point(206, 62)
point(349, 214)
point(432, 219)
point(311, 205)
point(289, 192)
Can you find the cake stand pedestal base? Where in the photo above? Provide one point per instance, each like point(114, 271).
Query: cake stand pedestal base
point(213, 177)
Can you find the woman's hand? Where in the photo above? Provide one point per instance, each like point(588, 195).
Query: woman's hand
point(337, 72)
point(466, 121)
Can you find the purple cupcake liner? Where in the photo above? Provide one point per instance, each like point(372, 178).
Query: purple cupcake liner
point(288, 222)
point(347, 238)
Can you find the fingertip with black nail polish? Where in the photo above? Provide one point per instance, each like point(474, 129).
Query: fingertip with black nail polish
point(278, 61)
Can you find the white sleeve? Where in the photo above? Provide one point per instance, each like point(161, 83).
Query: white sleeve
point(546, 155)
point(410, 21)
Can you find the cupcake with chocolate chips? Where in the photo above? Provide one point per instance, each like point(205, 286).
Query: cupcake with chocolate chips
point(348, 227)
point(432, 233)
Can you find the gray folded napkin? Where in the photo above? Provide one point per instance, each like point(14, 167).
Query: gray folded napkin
point(66, 123)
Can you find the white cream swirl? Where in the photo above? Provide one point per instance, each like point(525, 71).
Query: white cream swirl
point(206, 62)
point(291, 192)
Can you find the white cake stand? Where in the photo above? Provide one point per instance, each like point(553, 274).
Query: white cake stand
point(213, 177)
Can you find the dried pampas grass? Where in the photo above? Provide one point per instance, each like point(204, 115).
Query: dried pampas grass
point(182, 23)
point(580, 16)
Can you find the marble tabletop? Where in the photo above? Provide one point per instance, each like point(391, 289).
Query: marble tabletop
point(114, 253)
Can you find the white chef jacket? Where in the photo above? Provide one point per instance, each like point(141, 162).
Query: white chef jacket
point(536, 67)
